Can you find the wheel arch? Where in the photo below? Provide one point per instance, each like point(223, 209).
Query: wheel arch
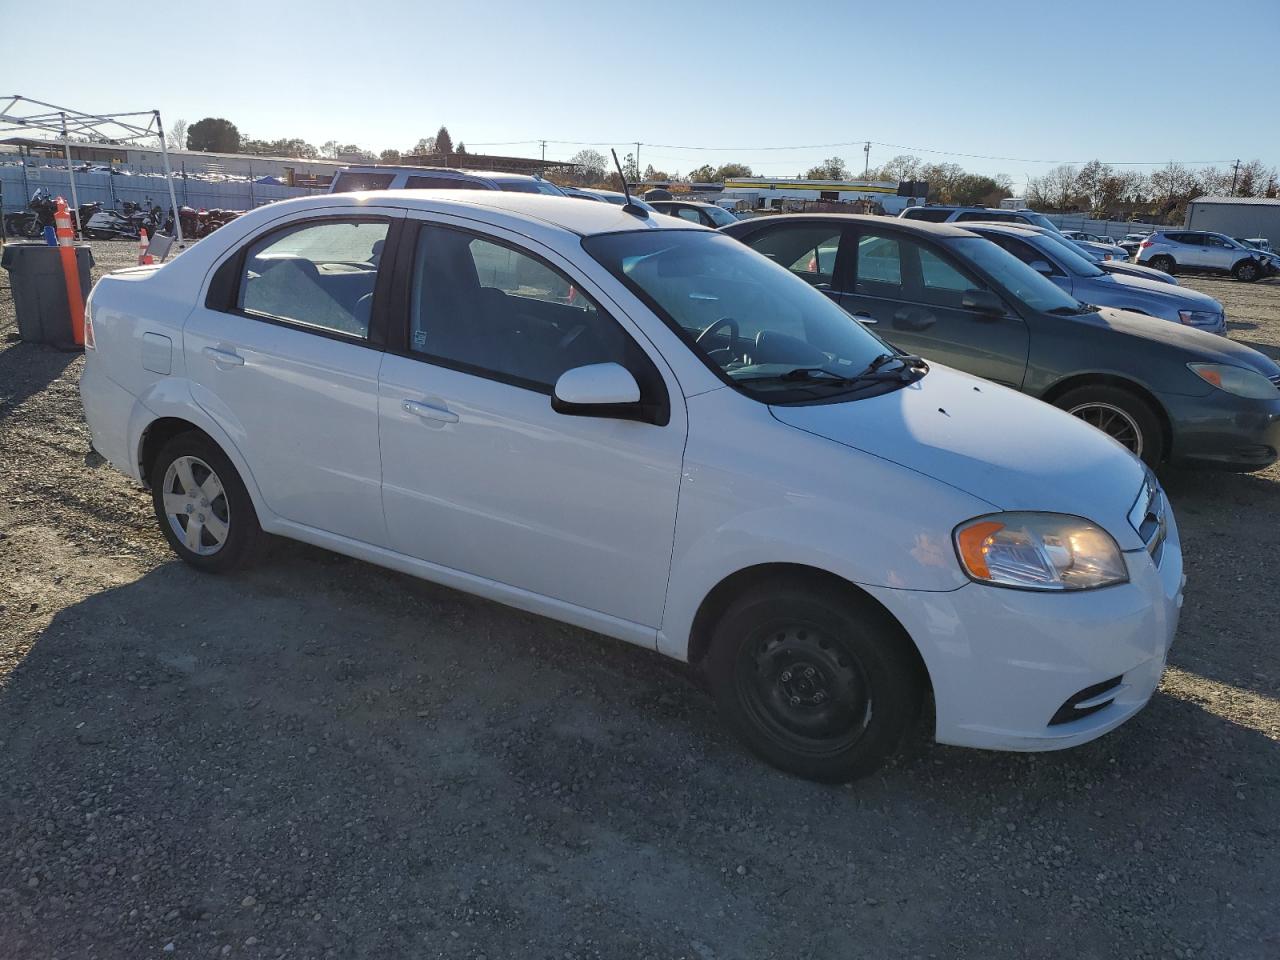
point(723, 594)
point(1068, 384)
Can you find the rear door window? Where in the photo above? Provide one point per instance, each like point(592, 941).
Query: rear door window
point(878, 266)
point(807, 250)
point(351, 180)
point(930, 215)
point(320, 276)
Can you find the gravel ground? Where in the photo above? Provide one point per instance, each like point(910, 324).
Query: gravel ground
point(319, 758)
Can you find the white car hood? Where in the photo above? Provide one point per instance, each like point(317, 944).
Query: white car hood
point(993, 443)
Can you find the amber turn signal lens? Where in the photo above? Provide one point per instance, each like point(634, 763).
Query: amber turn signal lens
point(972, 542)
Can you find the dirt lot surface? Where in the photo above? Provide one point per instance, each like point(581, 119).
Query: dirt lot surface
point(319, 758)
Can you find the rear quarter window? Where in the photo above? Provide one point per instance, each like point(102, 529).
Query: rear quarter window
point(932, 216)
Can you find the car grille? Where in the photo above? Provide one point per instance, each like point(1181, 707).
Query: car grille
point(1275, 379)
point(1148, 516)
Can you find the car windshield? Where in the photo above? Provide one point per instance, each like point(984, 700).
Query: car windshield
point(720, 216)
point(1070, 256)
point(1040, 220)
point(529, 186)
point(759, 325)
point(1016, 278)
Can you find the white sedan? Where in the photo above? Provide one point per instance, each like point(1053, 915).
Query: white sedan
point(644, 428)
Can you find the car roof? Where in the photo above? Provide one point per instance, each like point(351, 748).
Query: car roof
point(1005, 227)
point(460, 172)
point(565, 213)
point(687, 203)
point(889, 223)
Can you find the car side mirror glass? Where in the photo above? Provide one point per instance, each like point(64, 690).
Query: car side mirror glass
point(598, 390)
point(1041, 266)
point(982, 301)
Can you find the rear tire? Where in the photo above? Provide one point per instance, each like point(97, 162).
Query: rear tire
point(1246, 271)
point(818, 683)
point(1162, 263)
point(202, 505)
point(1122, 415)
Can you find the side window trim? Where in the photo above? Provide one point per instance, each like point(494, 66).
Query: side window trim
point(399, 320)
point(223, 295)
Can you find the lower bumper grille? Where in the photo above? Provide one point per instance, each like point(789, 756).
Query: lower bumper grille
point(1087, 701)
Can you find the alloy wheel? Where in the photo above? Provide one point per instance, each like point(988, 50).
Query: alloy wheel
point(1118, 424)
point(195, 504)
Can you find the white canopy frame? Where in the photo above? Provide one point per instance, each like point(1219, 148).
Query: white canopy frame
point(23, 113)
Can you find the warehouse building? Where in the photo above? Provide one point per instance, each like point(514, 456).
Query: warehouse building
point(1237, 217)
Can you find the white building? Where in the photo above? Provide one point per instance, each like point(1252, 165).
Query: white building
point(1247, 217)
point(766, 193)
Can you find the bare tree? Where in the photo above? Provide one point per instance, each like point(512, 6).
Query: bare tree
point(177, 135)
point(591, 166)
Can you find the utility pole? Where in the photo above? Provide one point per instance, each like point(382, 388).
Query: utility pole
point(544, 152)
point(1235, 175)
point(637, 161)
point(866, 166)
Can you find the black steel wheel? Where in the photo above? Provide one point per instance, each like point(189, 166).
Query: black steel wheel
point(815, 680)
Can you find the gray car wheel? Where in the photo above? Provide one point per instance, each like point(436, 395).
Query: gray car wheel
point(1122, 415)
point(1162, 263)
point(1246, 271)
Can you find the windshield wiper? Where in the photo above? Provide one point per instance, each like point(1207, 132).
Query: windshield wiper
point(1072, 311)
point(871, 373)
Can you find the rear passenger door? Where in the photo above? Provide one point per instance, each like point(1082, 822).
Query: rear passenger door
point(1193, 250)
point(914, 294)
point(284, 356)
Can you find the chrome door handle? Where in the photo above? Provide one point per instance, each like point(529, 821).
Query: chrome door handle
point(862, 316)
point(429, 412)
point(223, 358)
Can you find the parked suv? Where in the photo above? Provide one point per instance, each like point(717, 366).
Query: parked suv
point(378, 177)
point(1199, 251)
point(943, 213)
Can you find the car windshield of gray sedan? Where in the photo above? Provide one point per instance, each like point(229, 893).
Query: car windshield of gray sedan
point(720, 216)
point(1017, 279)
point(762, 327)
point(1071, 257)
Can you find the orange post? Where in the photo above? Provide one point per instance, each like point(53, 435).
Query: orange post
point(70, 269)
point(143, 242)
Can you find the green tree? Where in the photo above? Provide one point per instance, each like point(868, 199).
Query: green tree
point(462, 148)
point(444, 142)
point(213, 134)
point(832, 168)
point(703, 174)
point(390, 155)
point(731, 171)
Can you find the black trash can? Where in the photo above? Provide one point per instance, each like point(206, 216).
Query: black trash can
point(40, 291)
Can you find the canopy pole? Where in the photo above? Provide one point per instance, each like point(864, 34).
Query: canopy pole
point(168, 178)
point(75, 200)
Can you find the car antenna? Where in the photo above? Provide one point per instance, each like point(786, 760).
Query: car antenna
point(628, 207)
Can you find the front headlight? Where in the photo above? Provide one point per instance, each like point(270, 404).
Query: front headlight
point(1238, 380)
point(1039, 551)
point(1199, 318)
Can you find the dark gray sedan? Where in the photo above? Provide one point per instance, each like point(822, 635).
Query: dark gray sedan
point(1170, 393)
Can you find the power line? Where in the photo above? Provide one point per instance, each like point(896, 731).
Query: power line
point(850, 143)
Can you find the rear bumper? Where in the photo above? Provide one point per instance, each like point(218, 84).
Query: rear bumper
point(1223, 432)
point(108, 408)
point(1004, 662)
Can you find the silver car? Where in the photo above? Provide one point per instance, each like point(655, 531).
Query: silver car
point(1110, 264)
point(1200, 251)
point(1087, 282)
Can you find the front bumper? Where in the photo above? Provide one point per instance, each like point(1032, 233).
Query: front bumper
point(1223, 432)
point(1004, 662)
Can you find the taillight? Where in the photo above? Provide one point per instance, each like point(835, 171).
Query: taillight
point(88, 326)
point(1144, 244)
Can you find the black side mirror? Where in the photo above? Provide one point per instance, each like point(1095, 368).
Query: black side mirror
point(982, 301)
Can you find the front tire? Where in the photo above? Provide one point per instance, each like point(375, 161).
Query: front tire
point(1121, 414)
point(815, 682)
point(1246, 271)
point(202, 505)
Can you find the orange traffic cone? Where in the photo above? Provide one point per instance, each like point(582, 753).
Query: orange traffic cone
point(143, 243)
point(70, 268)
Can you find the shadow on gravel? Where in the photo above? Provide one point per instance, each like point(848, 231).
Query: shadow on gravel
point(324, 756)
point(26, 369)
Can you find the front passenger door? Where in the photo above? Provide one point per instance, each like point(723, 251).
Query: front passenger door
point(915, 294)
point(480, 475)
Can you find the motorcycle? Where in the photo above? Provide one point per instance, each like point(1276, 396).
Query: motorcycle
point(126, 225)
point(41, 208)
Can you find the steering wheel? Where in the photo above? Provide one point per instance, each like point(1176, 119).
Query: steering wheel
point(729, 322)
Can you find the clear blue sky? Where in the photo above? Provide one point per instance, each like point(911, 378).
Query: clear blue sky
point(1055, 81)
